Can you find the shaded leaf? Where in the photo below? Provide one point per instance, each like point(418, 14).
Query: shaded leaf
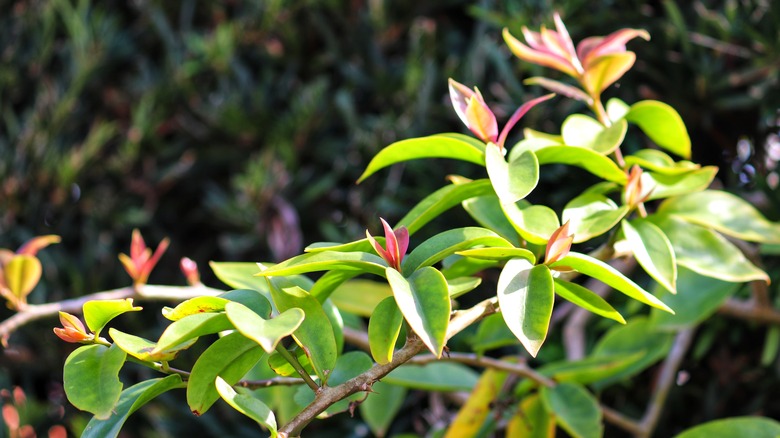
point(91, 378)
point(575, 409)
point(487, 212)
point(754, 427)
point(531, 420)
point(478, 406)
point(435, 376)
point(383, 330)
point(492, 333)
point(144, 349)
point(499, 253)
point(381, 406)
point(360, 297)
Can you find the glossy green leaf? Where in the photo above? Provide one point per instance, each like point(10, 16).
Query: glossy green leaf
point(247, 405)
point(325, 261)
point(424, 301)
point(638, 336)
point(753, 427)
point(526, 298)
point(534, 223)
point(230, 357)
point(707, 252)
point(434, 146)
point(381, 406)
point(586, 132)
point(21, 274)
point(331, 281)
point(444, 244)
point(204, 304)
point(98, 313)
point(267, 333)
point(531, 420)
point(725, 213)
point(514, 180)
point(383, 330)
point(90, 378)
point(435, 376)
point(130, 400)
point(492, 333)
point(576, 410)
point(662, 124)
point(590, 215)
point(252, 299)
point(362, 245)
point(487, 212)
point(659, 162)
point(666, 186)
point(282, 367)
point(612, 277)
point(144, 349)
point(240, 275)
point(192, 327)
point(699, 297)
point(586, 299)
point(458, 267)
point(653, 250)
point(588, 159)
point(316, 334)
point(479, 405)
point(442, 200)
point(336, 321)
point(462, 285)
point(499, 253)
point(360, 297)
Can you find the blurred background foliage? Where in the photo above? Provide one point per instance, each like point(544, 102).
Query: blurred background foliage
point(238, 129)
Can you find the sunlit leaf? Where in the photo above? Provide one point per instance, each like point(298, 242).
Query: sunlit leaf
point(442, 200)
point(425, 304)
point(588, 159)
point(91, 378)
point(525, 295)
point(267, 333)
point(204, 304)
point(590, 215)
point(514, 180)
point(586, 299)
point(659, 162)
point(487, 212)
point(98, 313)
point(247, 405)
point(327, 260)
point(449, 242)
point(666, 185)
point(360, 297)
point(616, 109)
point(144, 349)
point(606, 70)
point(498, 253)
point(653, 250)
point(21, 275)
point(586, 132)
point(192, 327)
point(434, 146)
point(607, 274)
point(662, 124)
point(535, 223)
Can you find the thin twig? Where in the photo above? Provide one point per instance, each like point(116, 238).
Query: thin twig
point(520, 369)
point(274, 381)
point(282, 350)
point(749, 310)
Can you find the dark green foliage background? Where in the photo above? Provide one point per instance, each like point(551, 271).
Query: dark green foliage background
point(238, 128)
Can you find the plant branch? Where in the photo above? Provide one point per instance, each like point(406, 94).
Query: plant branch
point(750, 310)
point(33, 312)
point(520, 369)
point(298, 368)
point(274, 381)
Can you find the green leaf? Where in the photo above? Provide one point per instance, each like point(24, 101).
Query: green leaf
point(144, 349)
point(247, 405)
point(487, 212)
point(653, 250)
point(329, 284)
point(500, 253)
point(576, 410)
point(449, 242)
point(457, 266)
point(362, 245)
point(725, 213)
point(253, 299)
point(442, 200)
point(192, 327)
point(462, 285)
point(707, 252)
point(586, 299)
point(590, 215)
point(336, 321)
point(531, 420)
point(586, 132)
point(512, 181)
point(240, 275)
point(639, 335)
point(360, 297)
point(90, 378)
point(282, 367)
point(659, 162)
point(383, 330)
point(605, 273)
point(316, 334)
point(587, 159)
point(535, 223)
point(665, 186)
point(434, 146)
point(230, 357)
point(381, 406)
point(98, 313)
point(698, 298)
point(267, 333)
point(590, 369)
point(662, 124)
point(526, 298)
point(616, 109)
point(204, 304)
point(21, 274)
point(130, 400)
point(754, 427)
point(325, 261)
point(435, 376)
point(492, 333)
point(424, 301)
